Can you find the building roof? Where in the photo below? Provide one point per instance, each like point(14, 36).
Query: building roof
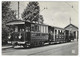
point(72, 25)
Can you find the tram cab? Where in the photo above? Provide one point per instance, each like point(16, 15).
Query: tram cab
point(20, 33)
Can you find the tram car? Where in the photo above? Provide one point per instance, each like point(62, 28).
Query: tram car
point(56, 35)
point(28, 34)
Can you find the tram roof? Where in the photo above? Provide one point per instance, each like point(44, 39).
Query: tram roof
point(15, 22)
point(56, 27)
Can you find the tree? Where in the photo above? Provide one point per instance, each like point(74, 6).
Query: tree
point(31, 13)
point(7, 15)
point(41, 19)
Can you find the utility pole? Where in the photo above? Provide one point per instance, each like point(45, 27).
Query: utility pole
point(18, 9)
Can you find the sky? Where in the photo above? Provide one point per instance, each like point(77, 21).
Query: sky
point(58, 13)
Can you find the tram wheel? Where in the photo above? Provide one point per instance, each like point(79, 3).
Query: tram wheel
point(24, 46)
point(13, 45)
point(50, 43)
point(42, 43)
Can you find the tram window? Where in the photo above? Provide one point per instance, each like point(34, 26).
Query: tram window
point(58, 31)
point(32, 28)
point(11, 29)
point(16, 29)
point(41, 28)
point(46, 29)
point(51, 31)
point(22, 29)
point(62, 31)
point(36, 28)
point(55, 31)
point(27, 29)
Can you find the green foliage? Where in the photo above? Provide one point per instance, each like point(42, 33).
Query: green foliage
point(31, 13)
point(7, 15)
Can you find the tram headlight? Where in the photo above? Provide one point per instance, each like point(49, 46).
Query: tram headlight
point(20, 36)
point(9, 37)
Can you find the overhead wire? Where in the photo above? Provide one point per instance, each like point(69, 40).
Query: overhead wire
point(72, 7)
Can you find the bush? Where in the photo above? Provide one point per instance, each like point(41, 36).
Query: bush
point(4, 37)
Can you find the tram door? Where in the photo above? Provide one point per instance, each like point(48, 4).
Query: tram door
point(27, 31)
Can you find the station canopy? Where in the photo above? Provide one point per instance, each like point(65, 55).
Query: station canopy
point(71, 27)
